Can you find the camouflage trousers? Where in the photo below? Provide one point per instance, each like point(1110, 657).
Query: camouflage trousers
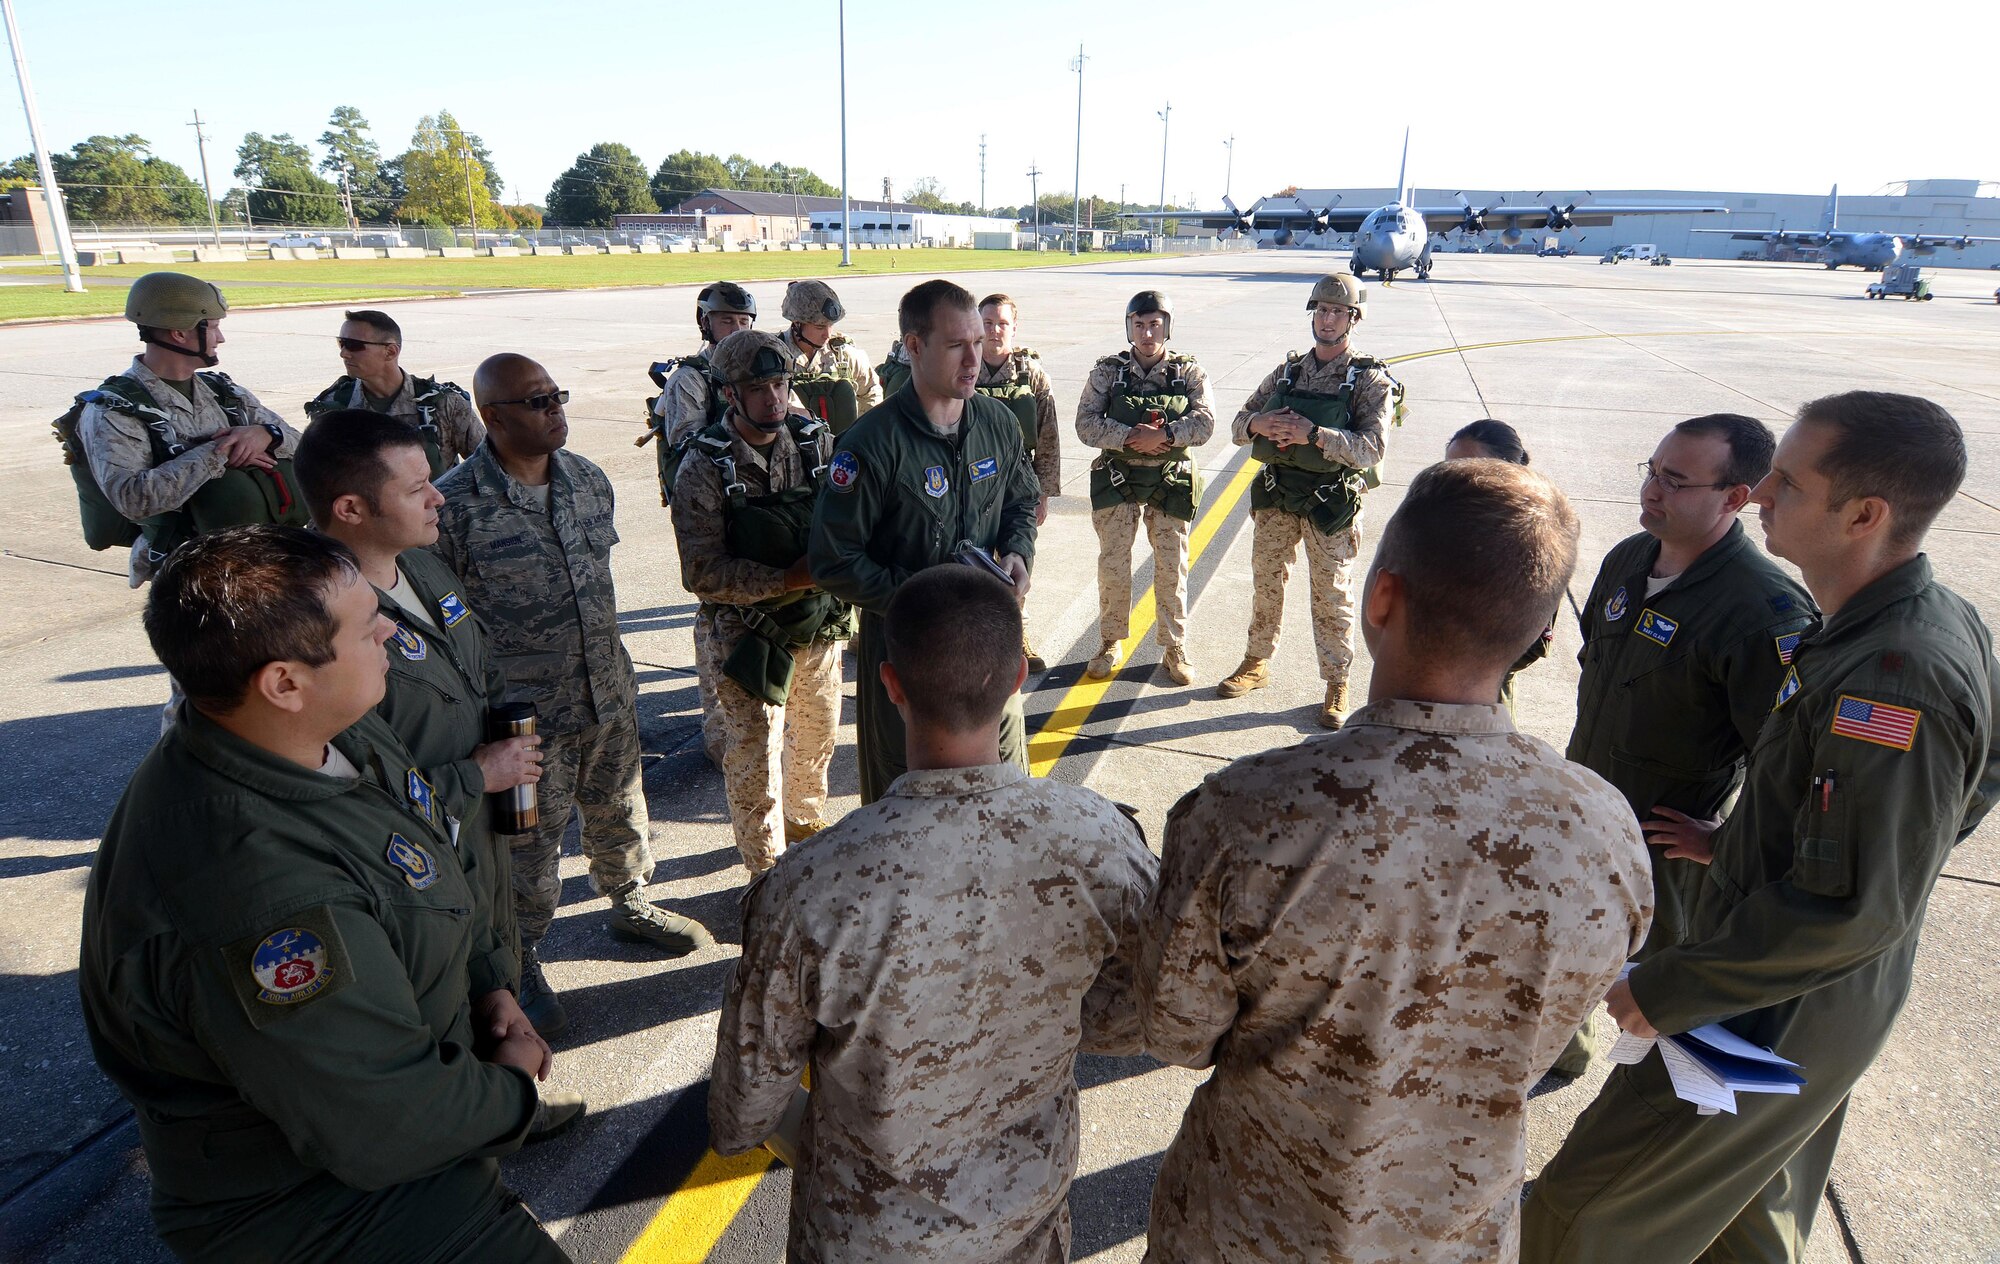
point(707, 667)
point(775, 759)
point(1274, 546)
point(1117, 527)
point(593, 773)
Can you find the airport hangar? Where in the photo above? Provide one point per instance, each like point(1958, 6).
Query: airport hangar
point(1942, 207)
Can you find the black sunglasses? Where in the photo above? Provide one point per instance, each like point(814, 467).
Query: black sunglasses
point(355, 344)
point(540, 403)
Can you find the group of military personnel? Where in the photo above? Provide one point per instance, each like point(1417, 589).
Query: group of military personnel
point(304, 920)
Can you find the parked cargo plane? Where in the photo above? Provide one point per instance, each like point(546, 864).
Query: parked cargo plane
point(1837, 247)
point(1397, 236)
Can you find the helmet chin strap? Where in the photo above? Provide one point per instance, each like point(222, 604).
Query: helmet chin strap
point(202, 352)
point(799, 335)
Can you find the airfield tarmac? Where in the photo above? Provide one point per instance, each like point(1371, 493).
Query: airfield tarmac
point(1591, 363)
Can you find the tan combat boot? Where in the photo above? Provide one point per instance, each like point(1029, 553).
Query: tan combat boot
point(1174, 664)
point(1107, 662)
point(1036, 663)
point(800, 831)
point(1251, 673)
point(1335, 709)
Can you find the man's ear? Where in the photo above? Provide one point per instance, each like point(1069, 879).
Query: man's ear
point(280, 684)
point(1738, 497)
point(1867, 516)
point(350, 510)
point(892, 684)
point(1381, 598)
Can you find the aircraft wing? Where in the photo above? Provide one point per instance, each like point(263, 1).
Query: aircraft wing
point(1578, 215)
point(1929, 241)
point(1264, 214)
point(1801, 236)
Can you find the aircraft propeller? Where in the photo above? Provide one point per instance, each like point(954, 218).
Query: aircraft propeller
point(1323, 220)
point(1244, 223)
point(1474, 222)
point(1560, 217)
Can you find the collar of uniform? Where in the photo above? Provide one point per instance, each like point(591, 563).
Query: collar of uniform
point(1719, 554)
point(1311, 363)
point(912, 411)
point(260, 770)
point(997, 374)
point(764, 458)
point(950, 783)
point(1434, 717)
point(1906, 581)
point(493, 479)
point(163, 395)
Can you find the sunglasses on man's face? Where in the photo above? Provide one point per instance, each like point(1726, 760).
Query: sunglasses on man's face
point(355, 344)
point(547, 403)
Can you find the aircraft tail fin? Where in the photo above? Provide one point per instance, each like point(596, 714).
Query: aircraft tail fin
point(1830, 218)
point(1403, 172)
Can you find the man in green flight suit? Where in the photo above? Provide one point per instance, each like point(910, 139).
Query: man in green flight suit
point(1876, 759)
point(936, 471)
point(1686, 635)
point(282, 967)
point(366, 477)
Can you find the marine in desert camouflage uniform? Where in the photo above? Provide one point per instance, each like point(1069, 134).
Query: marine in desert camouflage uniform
point(939, 1013)
point(528, 527)
point(1380, 939)
point(745, 489)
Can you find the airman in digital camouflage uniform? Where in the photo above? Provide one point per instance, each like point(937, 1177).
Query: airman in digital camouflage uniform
point(1014, 375)
point(174, 448)
point(834, 382)
point(1147, 408)
point(770, 637)
point(1380, 938)
point(1877, 758)
point(286, 966)
point(1319, 424)
point(367, 478)
point(939, 1013)
point(527, 525)
point(371, 350)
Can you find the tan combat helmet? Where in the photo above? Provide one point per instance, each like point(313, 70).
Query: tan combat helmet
point(175, 300)
point(812, 303)
point(1343, 288)
point(723, 296)
point(749, 356)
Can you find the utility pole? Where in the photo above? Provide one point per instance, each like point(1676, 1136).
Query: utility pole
point(201, 147)
point(1035, 200)
point(1120, 222)
point(471, 208)
point(1076, 208)
point(846, 205)
point(982, 173)
point(347, 202)
point(1230, 170)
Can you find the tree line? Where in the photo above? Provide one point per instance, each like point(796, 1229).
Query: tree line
point(444, 176)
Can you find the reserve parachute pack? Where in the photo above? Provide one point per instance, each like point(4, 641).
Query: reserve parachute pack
point(1173, 486)
point(826, 397)
point(1300, 479)
point(426, 393)
point(893, 372)
point(671, 452)
point(772, 530)
point(1019, 397)
point(236, 497)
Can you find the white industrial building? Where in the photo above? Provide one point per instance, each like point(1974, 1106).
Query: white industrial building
point(786, 216)
point(1941, 207)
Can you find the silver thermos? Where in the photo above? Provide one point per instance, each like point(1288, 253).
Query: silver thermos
point(514, 811)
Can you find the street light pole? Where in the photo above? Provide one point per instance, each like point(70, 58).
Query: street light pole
point(471, 208)
point(1229, 171)
point(1165, 123)
point(58, 217)
point(1076, 207)
point(846, 203)
point(1035, 200)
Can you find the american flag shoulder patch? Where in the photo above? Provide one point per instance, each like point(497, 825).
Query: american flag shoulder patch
point(1868, 721)
point(1788, 645)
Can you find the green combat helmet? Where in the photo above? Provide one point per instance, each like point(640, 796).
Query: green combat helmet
point(175, 300)
point(723, 296)
point(749, 356)
point(812, 303)
point(1342, 288)
point(1146, 302)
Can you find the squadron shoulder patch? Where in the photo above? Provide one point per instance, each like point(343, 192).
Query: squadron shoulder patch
point(409, 644)
point(290, 966)
point(843, 471)
point(1614, 609)
point(935, 483)
point(986, 467)
point(1866, 720)
point(1788, 688)
point(1788, 645)
point(1657, 627)
point(452, 609)
point(421, 796)
point(417, 867)
point(275, 973)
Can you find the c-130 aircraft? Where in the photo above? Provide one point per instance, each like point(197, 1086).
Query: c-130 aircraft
point(1838, 247)
point(1396, 237)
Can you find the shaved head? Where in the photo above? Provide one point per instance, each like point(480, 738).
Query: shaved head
point(499, 376)
point(519, 430)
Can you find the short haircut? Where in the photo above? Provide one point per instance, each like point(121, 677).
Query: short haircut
point(1497, 437)
point(380, 322)
point(226, 604)
point(340, 454)
point(954, 637)
point(1001, 300)
point(917, 313)
point(1903, 448)
point(1485, 549)
point(1750, 441)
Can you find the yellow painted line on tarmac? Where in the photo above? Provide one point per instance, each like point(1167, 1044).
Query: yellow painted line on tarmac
point(694, 1217)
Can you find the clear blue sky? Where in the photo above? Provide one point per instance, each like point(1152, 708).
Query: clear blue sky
point(1690, 96)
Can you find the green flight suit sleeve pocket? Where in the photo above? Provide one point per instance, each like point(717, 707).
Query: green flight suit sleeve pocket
point(299, 960)
point(1823, 860)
